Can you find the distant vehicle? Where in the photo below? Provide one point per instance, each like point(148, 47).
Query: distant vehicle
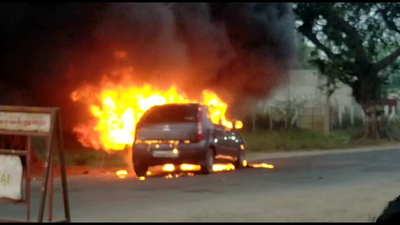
point(184, 134)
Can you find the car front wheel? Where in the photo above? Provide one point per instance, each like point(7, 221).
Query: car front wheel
point(140, 169)
point(240, 160)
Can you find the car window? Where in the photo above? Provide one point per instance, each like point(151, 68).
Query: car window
point(170, 114)
point(220, 127)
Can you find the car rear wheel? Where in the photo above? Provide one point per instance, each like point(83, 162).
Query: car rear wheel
point(140, 169)
point(208, 163)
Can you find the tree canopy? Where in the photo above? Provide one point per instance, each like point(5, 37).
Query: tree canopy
point(303, 52)
point(357, 43)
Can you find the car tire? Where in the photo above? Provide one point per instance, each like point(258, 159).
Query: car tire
point(239, 161)
point(140, 169)
point(208, 162)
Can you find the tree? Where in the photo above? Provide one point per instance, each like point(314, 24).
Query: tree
point(351, 41)
point(392, 88)
point(303, 53)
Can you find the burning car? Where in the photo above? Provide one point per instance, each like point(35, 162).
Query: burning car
point(184, 134)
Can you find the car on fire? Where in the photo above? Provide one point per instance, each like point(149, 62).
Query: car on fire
point(185, 134)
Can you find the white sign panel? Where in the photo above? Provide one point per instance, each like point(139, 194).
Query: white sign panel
point(17, 121)
point(10, 177)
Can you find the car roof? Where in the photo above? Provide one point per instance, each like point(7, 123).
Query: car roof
point(179, 104)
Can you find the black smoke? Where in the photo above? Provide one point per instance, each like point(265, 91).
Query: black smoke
point(239, 50)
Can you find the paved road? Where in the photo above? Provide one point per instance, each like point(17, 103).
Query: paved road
point(340, 187)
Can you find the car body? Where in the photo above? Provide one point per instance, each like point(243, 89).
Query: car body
point(184, 134)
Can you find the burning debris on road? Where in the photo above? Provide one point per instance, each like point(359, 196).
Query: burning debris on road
point(122, 173)
point(189, 169)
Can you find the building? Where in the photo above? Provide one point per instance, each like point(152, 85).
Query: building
point(303, 89)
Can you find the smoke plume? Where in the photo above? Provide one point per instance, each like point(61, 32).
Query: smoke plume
point(238, 50)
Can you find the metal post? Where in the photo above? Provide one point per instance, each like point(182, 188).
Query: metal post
point(46, 177)
point(62, 168)
point(28, 179)
point(51, 184)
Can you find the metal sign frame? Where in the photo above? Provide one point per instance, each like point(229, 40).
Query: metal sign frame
point(54, 142)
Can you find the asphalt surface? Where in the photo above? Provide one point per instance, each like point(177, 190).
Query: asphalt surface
point(340, 187)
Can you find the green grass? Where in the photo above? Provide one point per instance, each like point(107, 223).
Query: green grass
point(301, 139)
point(260, 141)
point(94, 158)
point(83, 156)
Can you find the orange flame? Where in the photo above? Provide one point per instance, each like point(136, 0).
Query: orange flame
point(122, 173)
point(191, 167)
point(117, 108)
point(262, 165)
point(168, 168)
point(223, 167)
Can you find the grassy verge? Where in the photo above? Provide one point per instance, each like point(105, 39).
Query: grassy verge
point(83, 156)
point(300, 139)
point(260, 141)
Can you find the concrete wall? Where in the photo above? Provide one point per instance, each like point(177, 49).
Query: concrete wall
point(303, 85)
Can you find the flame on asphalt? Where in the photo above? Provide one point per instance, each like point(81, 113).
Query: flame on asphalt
point(262, 165)
point(190, 168)
point(216, 167)
point(122, 173)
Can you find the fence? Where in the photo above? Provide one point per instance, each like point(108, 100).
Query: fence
point(310, 114)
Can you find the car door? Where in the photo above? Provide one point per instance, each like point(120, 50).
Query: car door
point(229, 136)
point(220, 142)
point(217, 134)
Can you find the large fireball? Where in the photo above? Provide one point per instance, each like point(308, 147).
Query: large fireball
point(116, 108)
